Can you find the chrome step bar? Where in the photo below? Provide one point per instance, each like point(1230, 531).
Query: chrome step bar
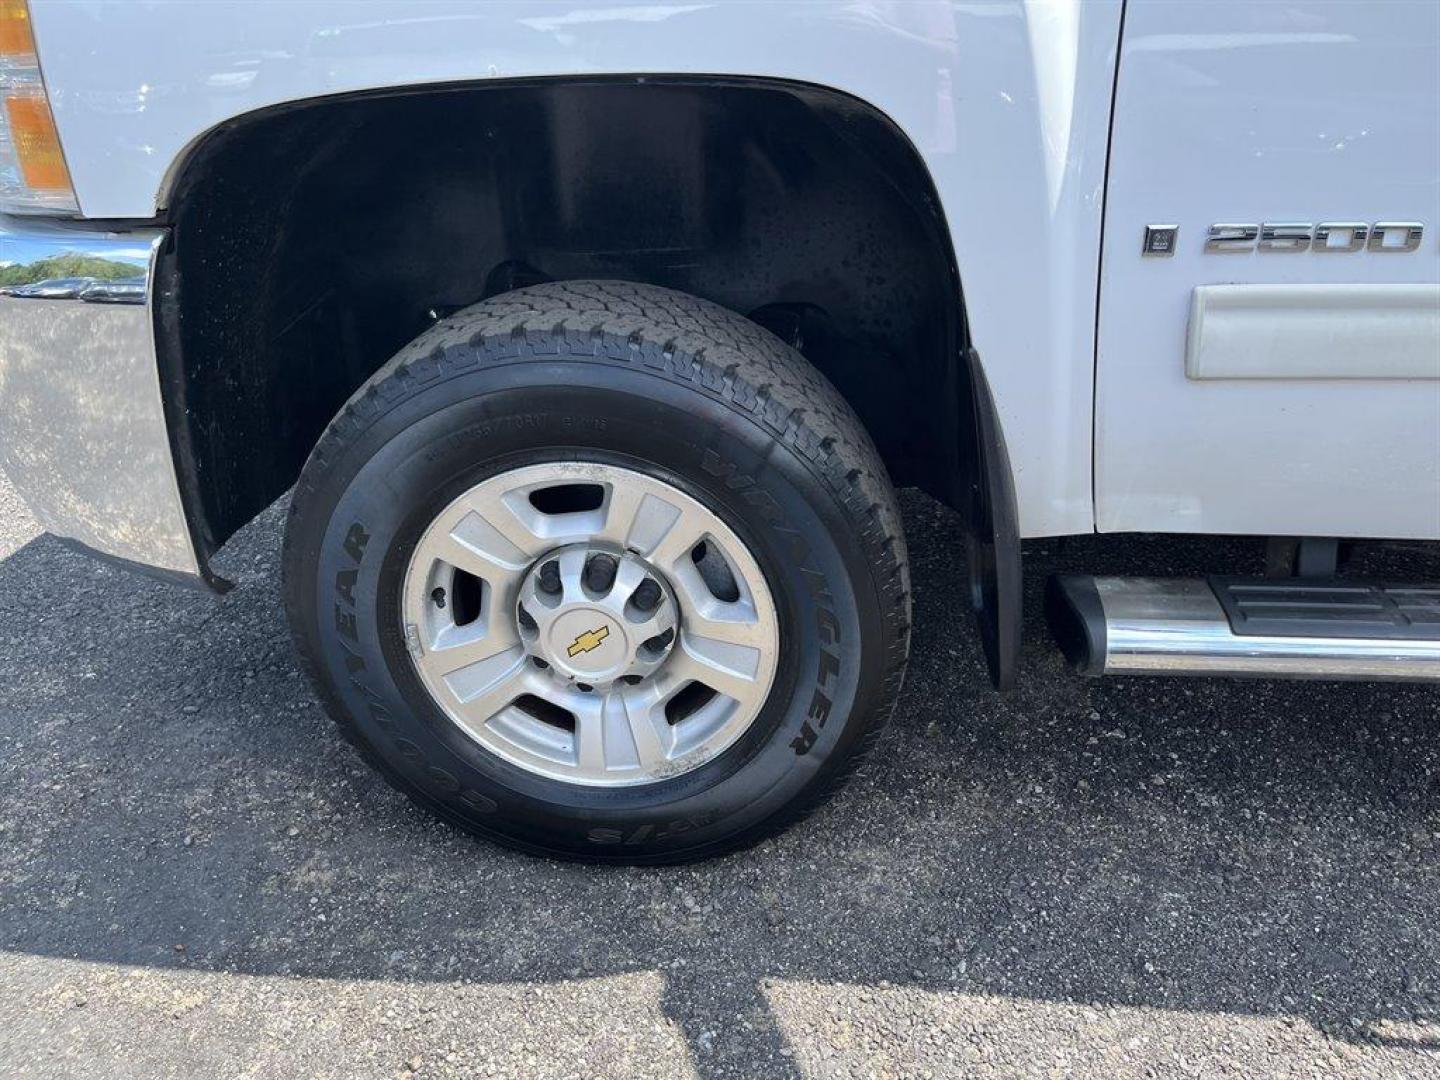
point(1159, 626)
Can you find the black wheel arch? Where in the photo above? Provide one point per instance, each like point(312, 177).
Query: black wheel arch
point(301, 260)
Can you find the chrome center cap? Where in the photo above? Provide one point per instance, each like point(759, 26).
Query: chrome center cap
point(593, 614)
point(586, 642)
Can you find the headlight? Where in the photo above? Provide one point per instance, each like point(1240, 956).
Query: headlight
point(33, 176)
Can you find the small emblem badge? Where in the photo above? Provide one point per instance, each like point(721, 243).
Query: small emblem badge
point(1160, 240)
point(588, 641)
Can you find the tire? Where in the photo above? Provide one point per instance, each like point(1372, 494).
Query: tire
point(643, 382)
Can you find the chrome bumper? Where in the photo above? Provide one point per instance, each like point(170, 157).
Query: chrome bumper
point(83, 435)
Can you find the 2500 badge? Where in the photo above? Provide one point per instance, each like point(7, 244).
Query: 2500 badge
point(1335, 237)
point(1331, 237)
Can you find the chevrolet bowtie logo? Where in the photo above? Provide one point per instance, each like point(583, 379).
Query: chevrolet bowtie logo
point(588, 641)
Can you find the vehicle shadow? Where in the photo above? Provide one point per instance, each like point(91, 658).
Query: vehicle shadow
point(171, 795)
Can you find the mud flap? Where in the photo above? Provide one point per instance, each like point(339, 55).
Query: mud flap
point(992, 534)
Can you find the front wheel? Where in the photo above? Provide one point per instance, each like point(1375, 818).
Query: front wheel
point(602, 571)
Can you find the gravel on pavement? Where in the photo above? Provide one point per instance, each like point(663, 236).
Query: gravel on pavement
point(1128, 878)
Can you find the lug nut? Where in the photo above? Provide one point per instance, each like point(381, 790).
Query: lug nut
point(659, 641)
point(528, 626)
point(647, 597)
point(549, 580)
point(600, 573)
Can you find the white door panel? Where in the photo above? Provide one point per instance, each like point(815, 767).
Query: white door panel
point(1305, 112)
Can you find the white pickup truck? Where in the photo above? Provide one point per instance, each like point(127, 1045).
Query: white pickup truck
point(592, 338)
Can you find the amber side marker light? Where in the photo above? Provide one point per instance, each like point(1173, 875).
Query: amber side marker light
point(33, 174)
point(16, 40)
point(37, 146)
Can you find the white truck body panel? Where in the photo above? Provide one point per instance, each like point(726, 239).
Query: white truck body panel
point(1007, 103)
point(1243, 112)
point(1307, 111)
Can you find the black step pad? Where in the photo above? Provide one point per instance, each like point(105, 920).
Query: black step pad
point(1316, 607)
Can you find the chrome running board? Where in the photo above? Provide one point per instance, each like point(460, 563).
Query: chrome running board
point(1291, 628)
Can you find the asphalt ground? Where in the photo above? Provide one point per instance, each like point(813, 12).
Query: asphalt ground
point(1128, 878)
